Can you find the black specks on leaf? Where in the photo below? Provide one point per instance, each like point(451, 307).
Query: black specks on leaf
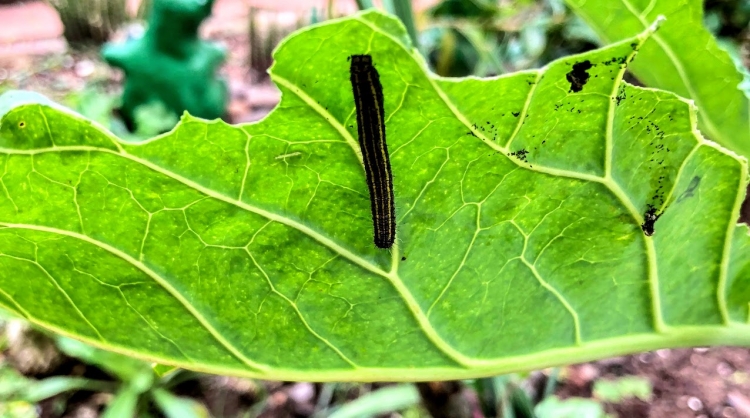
point(620, 96)
point(579, 75)
point(515, 114)
point(649, 220)
point(403, 258)
point(620, 61)
point(520, 154)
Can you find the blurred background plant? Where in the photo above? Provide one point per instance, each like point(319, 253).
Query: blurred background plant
point(90, 21)
point(485, 38)
point(266, 28)
point(47, 375)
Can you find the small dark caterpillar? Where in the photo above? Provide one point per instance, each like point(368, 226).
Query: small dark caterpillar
point(368, 99)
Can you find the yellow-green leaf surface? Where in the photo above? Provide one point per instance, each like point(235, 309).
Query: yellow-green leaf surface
point(682, 57)
point(248, 249)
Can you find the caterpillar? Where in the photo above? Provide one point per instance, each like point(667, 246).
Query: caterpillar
point(368, 100)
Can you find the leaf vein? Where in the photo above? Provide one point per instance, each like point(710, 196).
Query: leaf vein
point(158, 279)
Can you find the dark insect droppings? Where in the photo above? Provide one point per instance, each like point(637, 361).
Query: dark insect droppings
point(520, 154)
point(579, 75)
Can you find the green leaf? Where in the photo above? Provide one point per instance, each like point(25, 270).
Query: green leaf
point(162, 370)
point(616, 390)
point(40, 390)
point(17, 409)
point(15, 388)
point(381, 401)
point(176, 407)
point(248, 250)
point(553, 407)
point(125, 368)
point(683, 58)
point(124, 403)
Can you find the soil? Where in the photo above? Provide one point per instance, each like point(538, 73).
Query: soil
point(698, 382)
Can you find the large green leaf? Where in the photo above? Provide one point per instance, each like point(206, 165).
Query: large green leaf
point(683, 58)
point(248, 250)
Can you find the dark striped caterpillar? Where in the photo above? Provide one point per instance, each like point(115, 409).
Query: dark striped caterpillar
point(368, 99)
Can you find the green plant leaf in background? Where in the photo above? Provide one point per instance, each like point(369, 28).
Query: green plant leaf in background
point(124, 368)
point(17, 388)
point(178, 407)
point(683, 58)
point(616, 390)
point(553, 407)
point(247, 250)
point(378, 402)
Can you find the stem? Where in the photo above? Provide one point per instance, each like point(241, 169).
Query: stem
point(402, 9)
point(365, 4)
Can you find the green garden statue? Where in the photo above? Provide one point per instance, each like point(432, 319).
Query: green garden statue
point(170, 64)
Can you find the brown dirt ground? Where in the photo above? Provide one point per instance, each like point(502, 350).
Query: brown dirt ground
point(687, 383)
